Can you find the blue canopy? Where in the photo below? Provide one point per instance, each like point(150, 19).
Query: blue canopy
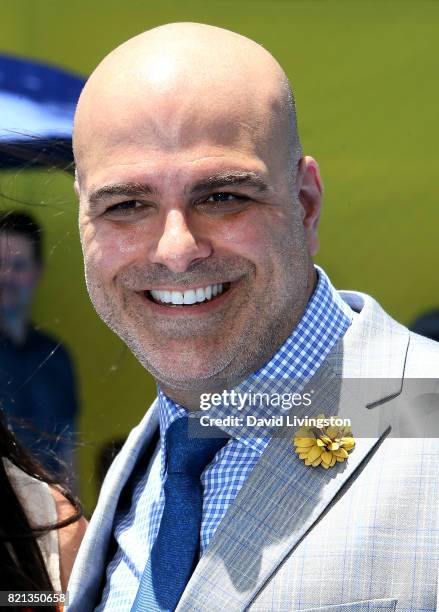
point(37, 103)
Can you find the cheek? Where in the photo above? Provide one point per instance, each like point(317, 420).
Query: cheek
point(109, 249)
point(239, 236)
point(129, 244)
point(257, 237)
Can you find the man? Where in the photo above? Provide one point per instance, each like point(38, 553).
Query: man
point(198, 220)
point(37, 383)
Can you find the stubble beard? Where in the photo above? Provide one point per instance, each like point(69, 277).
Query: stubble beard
point(235, 353)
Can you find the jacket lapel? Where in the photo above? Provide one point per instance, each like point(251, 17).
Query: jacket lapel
point(89, 568)
point(282, 498)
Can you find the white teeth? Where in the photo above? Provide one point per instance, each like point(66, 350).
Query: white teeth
point(177, 297)
point(190, 296)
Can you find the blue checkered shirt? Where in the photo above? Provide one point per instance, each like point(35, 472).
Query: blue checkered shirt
point(324, 322)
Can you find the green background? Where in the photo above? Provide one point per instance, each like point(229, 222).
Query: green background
point(365, 76)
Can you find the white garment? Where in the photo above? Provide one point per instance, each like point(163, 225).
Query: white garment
point(39, 506)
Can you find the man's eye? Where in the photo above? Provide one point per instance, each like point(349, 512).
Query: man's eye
point(222, 203)
point(223, 197)
point(130, 210)
point(128, 205)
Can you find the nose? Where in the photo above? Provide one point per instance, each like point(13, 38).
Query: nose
point(177, 246)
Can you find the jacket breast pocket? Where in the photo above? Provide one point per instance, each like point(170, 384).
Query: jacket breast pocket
point(369, 605)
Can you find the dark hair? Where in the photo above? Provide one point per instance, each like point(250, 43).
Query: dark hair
point(21, 562)
point(23, 224)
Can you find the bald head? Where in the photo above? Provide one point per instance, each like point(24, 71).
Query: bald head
point(172, 85)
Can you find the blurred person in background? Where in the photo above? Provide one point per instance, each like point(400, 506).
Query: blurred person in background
point(37, 382)
point(427, 324)
point(41, 523)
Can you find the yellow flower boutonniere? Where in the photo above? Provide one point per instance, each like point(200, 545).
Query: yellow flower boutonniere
point(323, 445)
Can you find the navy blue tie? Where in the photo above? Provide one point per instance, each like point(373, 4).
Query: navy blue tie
point(175, 551)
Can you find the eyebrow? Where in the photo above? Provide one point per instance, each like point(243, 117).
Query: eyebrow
point(216, 181)
point(121, 189)
point(230, 179)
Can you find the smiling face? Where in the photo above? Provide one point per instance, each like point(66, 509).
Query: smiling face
point(196, 228)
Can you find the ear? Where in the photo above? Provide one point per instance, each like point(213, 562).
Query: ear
point(310, 190)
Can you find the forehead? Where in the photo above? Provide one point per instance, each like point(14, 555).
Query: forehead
point(148, 130)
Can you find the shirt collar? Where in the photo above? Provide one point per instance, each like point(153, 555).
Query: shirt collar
point(325, 320)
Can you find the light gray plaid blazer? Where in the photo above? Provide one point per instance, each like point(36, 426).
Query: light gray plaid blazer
point(361, 536)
